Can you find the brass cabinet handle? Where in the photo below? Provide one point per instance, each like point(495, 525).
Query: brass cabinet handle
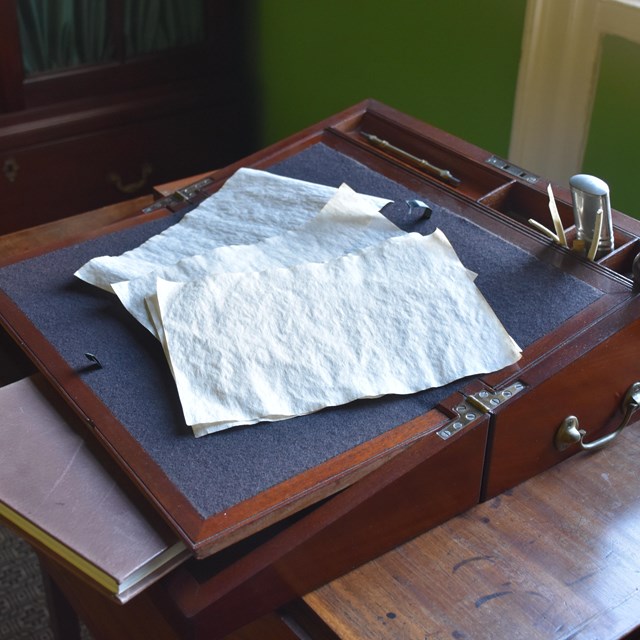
point(132, 187)
point(569, 432)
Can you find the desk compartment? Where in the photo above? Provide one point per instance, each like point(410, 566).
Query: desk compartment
point(521, 202)
point(465, 162)
point(622, 257)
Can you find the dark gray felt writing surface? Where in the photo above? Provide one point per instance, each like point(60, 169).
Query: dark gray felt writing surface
point(222, 469)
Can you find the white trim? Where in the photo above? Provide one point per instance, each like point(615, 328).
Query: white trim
point(557, 79)
point(621, 18)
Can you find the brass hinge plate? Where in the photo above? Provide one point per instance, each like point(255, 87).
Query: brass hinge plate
point(486, 401)
point(473, 406)
point(467, 413)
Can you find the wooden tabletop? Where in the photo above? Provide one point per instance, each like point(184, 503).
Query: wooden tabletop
point(556, 557)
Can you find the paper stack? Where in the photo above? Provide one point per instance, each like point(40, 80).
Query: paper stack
point(278, 298)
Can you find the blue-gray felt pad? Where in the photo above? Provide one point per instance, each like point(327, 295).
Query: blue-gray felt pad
point(222, 469)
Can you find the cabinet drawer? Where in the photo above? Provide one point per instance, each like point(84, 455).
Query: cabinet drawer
point(591, 388)
point(72, 175)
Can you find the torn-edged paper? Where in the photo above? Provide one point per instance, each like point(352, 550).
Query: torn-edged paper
point(346, 223)
point(395, 318)
point(252, 205)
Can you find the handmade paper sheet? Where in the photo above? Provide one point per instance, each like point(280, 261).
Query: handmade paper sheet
point(252, 205)
point(347, 222)
point(395, 318)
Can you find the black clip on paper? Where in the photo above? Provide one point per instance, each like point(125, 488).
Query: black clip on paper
point(397, 211)
point(422, 208)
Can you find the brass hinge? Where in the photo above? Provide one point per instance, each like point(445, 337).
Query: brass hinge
point(487, 401)
point(186, 194)
point(474, 405)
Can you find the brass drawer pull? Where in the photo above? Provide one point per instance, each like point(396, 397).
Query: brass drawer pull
point(133, 186)
point(569, 433)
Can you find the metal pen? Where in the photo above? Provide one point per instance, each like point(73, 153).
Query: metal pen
point(443, 174)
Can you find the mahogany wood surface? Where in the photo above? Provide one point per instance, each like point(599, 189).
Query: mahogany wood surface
point(164, 114)
point(424, 485)
point(342, 132)
point(557, 557)
point(591, 387)
point(41, 238)
point(163, 190)
point(70, 162)
point(206, 535)
point(554, 558)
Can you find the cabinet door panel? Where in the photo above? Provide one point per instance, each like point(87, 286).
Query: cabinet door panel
point(47, 182)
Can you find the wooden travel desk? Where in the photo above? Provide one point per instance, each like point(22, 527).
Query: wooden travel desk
point(395, 467)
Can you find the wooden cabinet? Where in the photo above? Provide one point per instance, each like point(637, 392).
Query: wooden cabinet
point(160, 100)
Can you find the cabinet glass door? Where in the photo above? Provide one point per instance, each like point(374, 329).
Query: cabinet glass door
point(60, 34)
point(63, 34)
point(157, 25)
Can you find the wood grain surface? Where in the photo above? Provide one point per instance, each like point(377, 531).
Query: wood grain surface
point(556, 557)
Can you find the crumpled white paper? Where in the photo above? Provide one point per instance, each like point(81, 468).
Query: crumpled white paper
point(252, 205)
point(395, 318)
point(347, 222)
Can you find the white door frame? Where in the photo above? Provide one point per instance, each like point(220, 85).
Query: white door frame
point(557, 79)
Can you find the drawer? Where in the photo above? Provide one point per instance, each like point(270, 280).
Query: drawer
point(46, 182)
point(591, 388)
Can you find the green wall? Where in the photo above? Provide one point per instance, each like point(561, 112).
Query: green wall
point(614, 133)
point(452, 63)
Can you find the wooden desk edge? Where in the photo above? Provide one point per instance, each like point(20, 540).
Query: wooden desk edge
point(58, 232)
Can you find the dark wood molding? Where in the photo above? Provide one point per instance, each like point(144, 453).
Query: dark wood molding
point(11, 72)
